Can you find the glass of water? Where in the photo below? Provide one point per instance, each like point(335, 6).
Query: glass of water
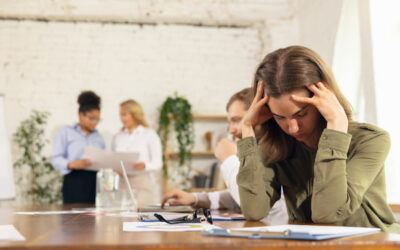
point(110, 194)
point(107, 189)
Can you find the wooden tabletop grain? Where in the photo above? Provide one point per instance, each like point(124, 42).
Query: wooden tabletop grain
point(82, 231)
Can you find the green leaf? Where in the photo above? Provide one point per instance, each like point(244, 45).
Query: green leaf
point(177, 110)
point(45, 181)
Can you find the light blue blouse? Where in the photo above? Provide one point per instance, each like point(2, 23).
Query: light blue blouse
point(69, 145)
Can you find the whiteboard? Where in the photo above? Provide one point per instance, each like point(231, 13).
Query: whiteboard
point(7, 189)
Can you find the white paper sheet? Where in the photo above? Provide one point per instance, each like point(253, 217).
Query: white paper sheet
point(313, 230)
point(50, 212)
point(102, 159)
point(89, 210)
point(10, 233)
point(124, 214)
point(164, 227)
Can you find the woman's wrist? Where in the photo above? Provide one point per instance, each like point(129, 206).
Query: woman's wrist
point(247, 131)
point(341, 126)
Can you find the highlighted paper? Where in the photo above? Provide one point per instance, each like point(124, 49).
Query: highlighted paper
point(10, 233)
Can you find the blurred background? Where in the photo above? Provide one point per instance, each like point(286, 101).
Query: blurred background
point(204, 50)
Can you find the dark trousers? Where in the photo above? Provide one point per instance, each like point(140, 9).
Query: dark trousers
point(79, 186)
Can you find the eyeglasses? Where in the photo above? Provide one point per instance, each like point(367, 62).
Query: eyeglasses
point(93, 119)
point(189, 219)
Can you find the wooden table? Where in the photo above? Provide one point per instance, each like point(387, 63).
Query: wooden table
point(81, 231)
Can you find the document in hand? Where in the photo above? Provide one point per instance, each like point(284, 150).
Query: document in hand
point(108, 159)
point(292, 232)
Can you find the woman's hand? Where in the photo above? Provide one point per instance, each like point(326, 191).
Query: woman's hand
point(138, 166)
point(328, 105)
point(258, 113)
point(79, 164)
point(180, 198)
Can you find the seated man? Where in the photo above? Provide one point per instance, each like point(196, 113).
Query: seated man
point(225, 152)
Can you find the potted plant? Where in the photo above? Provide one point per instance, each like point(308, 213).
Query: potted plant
point(36, 179)
point(177, 111)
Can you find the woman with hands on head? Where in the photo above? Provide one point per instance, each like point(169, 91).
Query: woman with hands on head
point(330, 167)
point(226, 153)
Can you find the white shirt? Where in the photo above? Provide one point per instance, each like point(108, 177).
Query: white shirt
point(143, 140)
point(229, 199)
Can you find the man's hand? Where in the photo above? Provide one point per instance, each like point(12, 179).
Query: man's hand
point(224, 149)
point(180, 198)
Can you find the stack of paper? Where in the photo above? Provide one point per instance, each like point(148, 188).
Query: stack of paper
point(9, 233)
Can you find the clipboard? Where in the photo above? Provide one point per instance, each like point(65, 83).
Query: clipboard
point(292, 232)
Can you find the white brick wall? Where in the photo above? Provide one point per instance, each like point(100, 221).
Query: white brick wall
point(205, 12)
point(45, 66)
point(146, 50)
point(50, 50)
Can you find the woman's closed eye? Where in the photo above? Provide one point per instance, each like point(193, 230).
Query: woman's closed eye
point(277, 117)
point(302, 114)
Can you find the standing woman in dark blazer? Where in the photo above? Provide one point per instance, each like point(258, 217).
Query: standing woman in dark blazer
point(79, 185)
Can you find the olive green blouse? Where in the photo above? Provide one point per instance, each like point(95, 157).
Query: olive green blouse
point(341, 183)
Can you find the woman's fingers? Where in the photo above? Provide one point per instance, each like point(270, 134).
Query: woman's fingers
point(307, 100)
point(322, 86)
point(313, 88)
point(260, 91)
point(265, 99)
point(262, 102)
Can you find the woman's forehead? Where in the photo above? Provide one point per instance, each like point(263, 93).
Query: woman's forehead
point(284, 105)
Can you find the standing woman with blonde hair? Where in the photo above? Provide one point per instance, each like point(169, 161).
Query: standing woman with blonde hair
point(330, 167)
point(136, 136)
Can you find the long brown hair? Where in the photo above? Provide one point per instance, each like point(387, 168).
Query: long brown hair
point(282, 72)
